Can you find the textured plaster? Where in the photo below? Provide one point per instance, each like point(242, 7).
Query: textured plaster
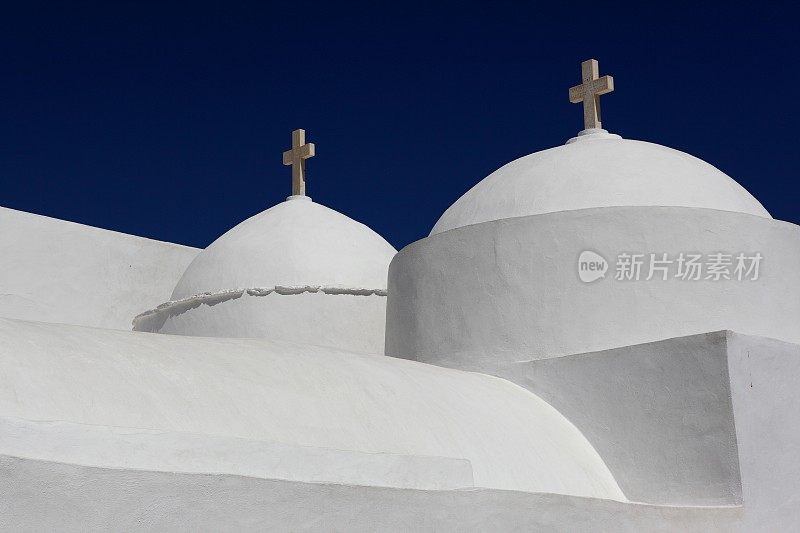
point(350, 319)
point(295, 243)
point(297, 395)
point(57, 271)
point(170, 451)
point(43, 496)
point(695, 421)
point(509, 289)
point(766, 401)
point(659, 414)
point(598, 171)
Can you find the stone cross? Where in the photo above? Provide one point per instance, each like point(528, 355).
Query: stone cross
point(589, 92)
point(296, 157)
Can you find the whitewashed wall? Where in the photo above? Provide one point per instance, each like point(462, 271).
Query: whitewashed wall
point(57, 271)
point(509, 289)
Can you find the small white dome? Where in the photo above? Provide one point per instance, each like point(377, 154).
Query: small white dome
point(298, 271)
point(295, 243)
point(597, 169)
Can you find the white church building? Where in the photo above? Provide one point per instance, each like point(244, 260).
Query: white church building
point(600, 336)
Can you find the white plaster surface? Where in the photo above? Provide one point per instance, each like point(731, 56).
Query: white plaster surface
point(353, 320)
point(766, 402)
point(659, 414)
point(509, 289)
point(705, 420)
point(57, 271)
point(762, 396)
point(45, 496)
point(297, 242)
point(169, 451)
point(296, 395)
point(598, 171)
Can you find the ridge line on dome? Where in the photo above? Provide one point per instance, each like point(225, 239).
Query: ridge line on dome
point(180, 306)
point(598, 208)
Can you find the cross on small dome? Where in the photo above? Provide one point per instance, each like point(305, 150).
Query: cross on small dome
point(296, 157)
point(589, 92)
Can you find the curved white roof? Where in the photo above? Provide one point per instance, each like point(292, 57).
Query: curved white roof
point(291, 394)
point(297, 242)
point(598, 170)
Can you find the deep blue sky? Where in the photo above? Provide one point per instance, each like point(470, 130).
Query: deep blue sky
point(168, 120)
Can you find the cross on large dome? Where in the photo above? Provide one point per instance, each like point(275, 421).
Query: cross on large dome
point(598, 169)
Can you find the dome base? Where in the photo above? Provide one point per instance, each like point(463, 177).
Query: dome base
point(593, 134)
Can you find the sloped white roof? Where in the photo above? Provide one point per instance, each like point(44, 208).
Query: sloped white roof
point(286, 394)
point(57, 271)
point(598, 169)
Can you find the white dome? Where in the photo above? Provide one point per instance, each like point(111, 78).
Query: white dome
point(298, 271)
point(295, 243)
point(598, 170)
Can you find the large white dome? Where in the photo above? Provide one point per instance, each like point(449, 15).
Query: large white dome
point(597, 169)
point(295, 243)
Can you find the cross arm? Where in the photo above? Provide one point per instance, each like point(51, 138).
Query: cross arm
point(576, 93)
point(594, 87)
point(603, 85)
point(306, 151)
point(298, 153)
